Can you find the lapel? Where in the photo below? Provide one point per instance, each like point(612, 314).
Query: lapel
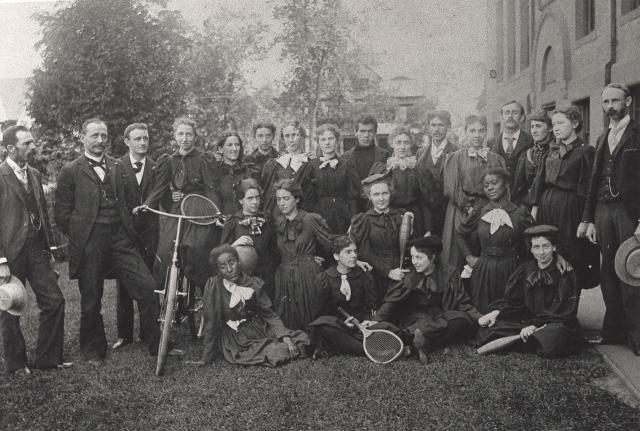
point(83, 164)
point(521, 143)
point(147, 175)
point(624, 140)
point(13, 182)
point(35, 187)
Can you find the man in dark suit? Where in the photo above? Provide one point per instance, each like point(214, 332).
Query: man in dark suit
point(430, 168)
point(612, 213)
point(263, 133)
point(513, 141)
point(366, 152)
point(90, 209)
point(138, 178)
point(24, 253)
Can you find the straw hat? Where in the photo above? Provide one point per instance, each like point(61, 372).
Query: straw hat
point(13, 297)
point(627, 261)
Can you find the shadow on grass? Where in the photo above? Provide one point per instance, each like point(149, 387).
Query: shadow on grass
point(458, 391)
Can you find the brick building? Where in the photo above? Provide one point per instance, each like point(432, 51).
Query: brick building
point(550, 53)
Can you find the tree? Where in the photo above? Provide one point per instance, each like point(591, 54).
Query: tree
point(119, 60)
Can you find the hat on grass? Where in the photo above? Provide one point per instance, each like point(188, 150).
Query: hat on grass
point(13, 297)
point(627, 262)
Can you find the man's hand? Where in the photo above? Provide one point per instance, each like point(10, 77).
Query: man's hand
point(526, 332)
point(5, 273)
point(471, 260)
point(293, 350)
point(364, 266)
point(587, 230)
point(139, 209)
point(562, 264)
point(177, 196)
point(489, 319)
point(397, 274)
point(534, 212)
point(319, 260)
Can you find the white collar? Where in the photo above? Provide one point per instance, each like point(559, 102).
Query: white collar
point(515, 136)
point(16, 168)
point(293, 160)
point(134, 161)
point(94, 158)
point(624, 122)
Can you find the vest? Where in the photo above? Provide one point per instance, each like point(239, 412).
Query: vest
point(35, 223)
point(607, 189)
point(107, 209)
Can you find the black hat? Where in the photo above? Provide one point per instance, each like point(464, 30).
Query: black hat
point(542, 116)
point(375, 178)
point(432, 243)
point(541, 230)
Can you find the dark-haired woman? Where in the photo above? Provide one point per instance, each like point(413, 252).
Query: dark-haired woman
point(376, 233)
point(239, 320)
point(294, 164)
point(336, 186)
point(463, 171)
point(230, 170)
point(407, 195)
point(250, 226)
point(299, 235)
point(559, 193)
point(540, 302)
point(492, 240)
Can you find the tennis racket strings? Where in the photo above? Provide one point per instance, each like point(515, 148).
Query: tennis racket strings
point(382, 346)
point(204, 211)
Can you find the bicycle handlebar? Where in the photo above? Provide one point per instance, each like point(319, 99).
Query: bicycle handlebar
point(162, 213)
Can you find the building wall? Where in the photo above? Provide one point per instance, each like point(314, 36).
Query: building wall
point(577, 73)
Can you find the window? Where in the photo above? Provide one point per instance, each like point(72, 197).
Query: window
point(584, 107)
point(524, 34)
point(511, 38)
point(548, 68)
point(585, 17)
point(629, 5)
point(634, 110)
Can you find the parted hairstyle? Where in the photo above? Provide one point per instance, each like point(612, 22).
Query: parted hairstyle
point(241, 188)
point(135, 126)
point(327, 127)
point(340, 243)
point(289, 185)
point(433, 256)
point(366, 188)
point(264, 125)
point(296, 125)
point(218, 251)
point(619, 86)
point(10, 135)
point(93, 120)
point(573, 114)
point(400, 130)
point(187, 122)
point(223, 138)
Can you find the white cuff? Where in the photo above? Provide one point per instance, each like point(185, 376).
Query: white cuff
point(3, 260)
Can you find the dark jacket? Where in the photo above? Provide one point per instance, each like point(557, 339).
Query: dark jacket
point(78, 201)
point(523, 144)
point(626, 168)
point(14, 217)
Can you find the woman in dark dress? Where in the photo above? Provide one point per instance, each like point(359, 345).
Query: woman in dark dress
point(251, 227)
point(347, 286)
point(376, 233)
point(299, 236)
point(294, 164)
point(531, 160)
point(407, 195)
point(239, 320)
point(430, 304)
point(492, 240)
point(336, 186)
point(230, 170)
point(559, 192)
point(537, 295)
point(463, 172)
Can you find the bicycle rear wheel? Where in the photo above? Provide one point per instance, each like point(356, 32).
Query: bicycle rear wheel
point(166, 319)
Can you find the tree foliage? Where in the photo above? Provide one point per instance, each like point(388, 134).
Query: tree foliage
point(119, 60)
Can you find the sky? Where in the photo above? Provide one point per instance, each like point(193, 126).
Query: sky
point(440, 43)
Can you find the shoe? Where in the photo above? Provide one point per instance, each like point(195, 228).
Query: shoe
point(121, 342)
point(21, 372)
point(321, 354)
point(54, 367)
point(419, 344)
point(64, 365)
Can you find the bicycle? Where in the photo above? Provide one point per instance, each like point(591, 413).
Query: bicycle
point(179, 295)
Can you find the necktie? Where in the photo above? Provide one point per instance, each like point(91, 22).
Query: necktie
point(21, 174)
point(345, 288)
point(510, 145)
point(137, 167)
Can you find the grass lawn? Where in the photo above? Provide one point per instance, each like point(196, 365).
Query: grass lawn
point(458, 391)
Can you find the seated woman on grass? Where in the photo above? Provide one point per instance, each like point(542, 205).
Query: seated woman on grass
point(430, 303)
point(540, 302)
point(347, 286)
point(239, 320)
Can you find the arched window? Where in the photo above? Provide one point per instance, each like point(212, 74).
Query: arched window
point(548, 68)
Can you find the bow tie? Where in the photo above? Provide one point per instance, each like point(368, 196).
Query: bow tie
point(290, 228)
point(539, 277)
point(497, 217)
point(254, 222)
point(401, 163)
point(482, 152)
point(137, 167)
point(96, 164)
point(328, 162)
point(565, 148)
point(295, 161)
point(238, 293)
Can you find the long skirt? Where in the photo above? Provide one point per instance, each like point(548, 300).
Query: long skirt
point(296, 292)
point(330, 334)
point(489, 279)
point(255, 343)
point(336, 212)
point(553, 341)
point(563, 209)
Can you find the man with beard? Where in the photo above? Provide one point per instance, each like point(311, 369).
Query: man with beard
point(366, 153)
point(612, 211)
point(430, 168)
point(513, 141)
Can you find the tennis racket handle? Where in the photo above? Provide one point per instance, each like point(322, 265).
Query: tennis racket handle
point(344, 313)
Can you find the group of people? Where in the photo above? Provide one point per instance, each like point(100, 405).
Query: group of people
point(505, 233)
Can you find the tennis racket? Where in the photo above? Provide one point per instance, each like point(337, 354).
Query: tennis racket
point(380, 345)
point(199, 210)
point(502, 343)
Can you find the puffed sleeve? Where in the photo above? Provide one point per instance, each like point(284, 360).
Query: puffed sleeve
point(265, 310)
point(209, 177)
point(466, 235)
point(586, 163)
point(229, 230)
point(321, 231)
point(161, 182)
point(451, 177)
point(378, 168)
point(306, 178)
point(267, 180)
point(520, 188)
point(212, 316)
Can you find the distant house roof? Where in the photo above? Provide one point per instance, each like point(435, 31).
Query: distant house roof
point(13, 99)
point(402, 87)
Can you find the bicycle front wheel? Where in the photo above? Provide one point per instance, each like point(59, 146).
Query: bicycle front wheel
point(166, 319)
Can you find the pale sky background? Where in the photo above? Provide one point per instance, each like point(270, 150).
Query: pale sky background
point(440, 43)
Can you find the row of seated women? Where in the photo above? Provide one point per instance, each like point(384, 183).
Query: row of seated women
point(269, 319)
